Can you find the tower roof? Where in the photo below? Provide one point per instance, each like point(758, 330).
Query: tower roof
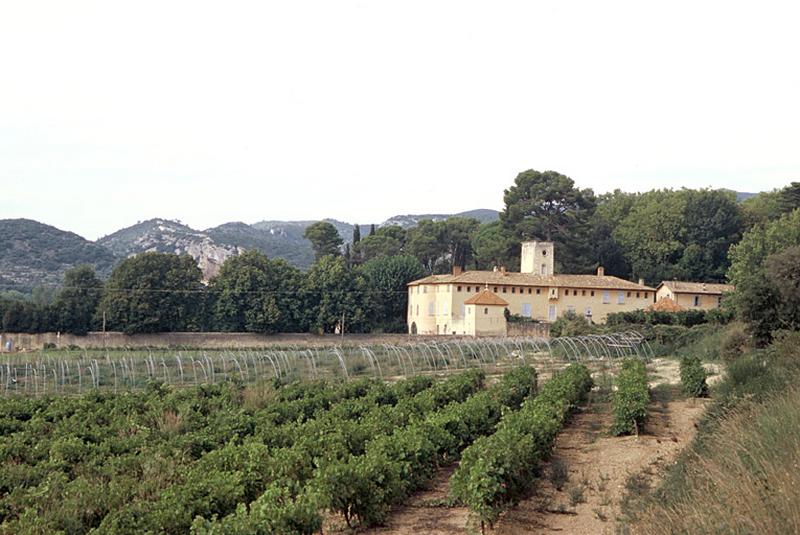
point(486, 297)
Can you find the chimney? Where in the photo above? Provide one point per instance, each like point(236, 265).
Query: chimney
point(600, 271)
point(494, 269)
point(503, 270)
point(457, 270)
point(641, 282)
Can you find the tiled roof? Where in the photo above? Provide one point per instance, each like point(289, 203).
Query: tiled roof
point(680, 287)
point(665, 305)
point(530, 279)
point(486, 298)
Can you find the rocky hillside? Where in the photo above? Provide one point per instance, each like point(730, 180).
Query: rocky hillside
point(32, 254)
point(165, 236)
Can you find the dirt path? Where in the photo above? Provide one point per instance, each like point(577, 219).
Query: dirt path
point(590, 467)
point(597, 468)
point(425, 514)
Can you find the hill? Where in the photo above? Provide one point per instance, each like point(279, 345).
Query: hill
point(32, 254)
point(166, 236)
point(407, 221)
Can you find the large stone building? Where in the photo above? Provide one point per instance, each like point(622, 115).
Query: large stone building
point(692, 295)
point(473, 302)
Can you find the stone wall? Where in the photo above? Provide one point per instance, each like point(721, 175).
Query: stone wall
point(538, 330)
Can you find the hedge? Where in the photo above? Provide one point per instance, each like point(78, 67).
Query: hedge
point(496, 470)
point(693, 377)
point(362, 485)
point(631, 398)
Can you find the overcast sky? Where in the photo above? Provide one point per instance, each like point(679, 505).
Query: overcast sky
point(113, 112)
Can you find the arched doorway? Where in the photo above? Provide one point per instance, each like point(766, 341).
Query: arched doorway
point(413, 327)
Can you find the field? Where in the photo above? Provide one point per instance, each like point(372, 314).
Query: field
point(74, 372)
point(254, 450)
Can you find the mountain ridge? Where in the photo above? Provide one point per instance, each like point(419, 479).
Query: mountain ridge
point(50, 252)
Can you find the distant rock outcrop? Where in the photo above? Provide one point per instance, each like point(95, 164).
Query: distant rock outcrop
point(165, 236)
point(32, 253)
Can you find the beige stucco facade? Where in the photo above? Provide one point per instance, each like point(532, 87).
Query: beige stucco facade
point(693, 295)
point(437, 303)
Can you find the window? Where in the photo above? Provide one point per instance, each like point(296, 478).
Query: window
point(417, 310)
point(620, 298)
point(551, 314)
point(592, 293)
point(458, 288)
point(529, 290)
point(606, 296)
point(526, 310)
point(538, 291)
point(431, 309)
point(583, 292)
point(485, 311)
point(504, 289)
point(424, 289)
point(495, 289)
point(629, 294)
point(469, 289)
point(637, 295)
point(645, 295)
point(566, 292)
point(513, 290)
point(697, 300)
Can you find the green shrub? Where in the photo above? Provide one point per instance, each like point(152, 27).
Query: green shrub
point(631, 398)
point(570, 324)
point(693, 377)
point(735, 342)
point(497, 470)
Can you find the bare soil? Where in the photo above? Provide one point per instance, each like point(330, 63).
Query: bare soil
point(596, 467)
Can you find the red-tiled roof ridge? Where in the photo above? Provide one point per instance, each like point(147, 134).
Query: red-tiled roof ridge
point(486, 297)
point(697, 287)
point(510, 278)
point(665, 305)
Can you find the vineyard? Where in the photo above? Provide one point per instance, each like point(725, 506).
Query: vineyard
point(79, 371)
point(277, 458)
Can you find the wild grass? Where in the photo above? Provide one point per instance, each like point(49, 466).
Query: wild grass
point(742, 472)
point(745, 480)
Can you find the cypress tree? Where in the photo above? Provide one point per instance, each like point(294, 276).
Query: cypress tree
point(356, 234)
point(372, 229)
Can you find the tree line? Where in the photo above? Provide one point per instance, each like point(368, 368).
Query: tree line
point(701, 235)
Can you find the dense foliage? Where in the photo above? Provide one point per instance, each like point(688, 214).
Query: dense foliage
point(153, 461)
point(498, 469)
point(765, 267)
point(33, 254)
point(630, 399)
point(664, 234)
point(400, 455)
point(693, 377)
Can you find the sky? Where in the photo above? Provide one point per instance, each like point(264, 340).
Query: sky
point(114, 112)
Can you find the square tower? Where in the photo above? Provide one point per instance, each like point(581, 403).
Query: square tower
point(537, 257)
